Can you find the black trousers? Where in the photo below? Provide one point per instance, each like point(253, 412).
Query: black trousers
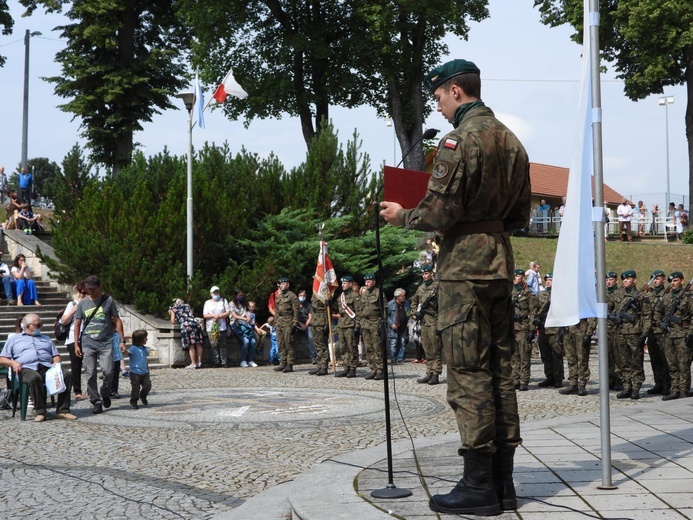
point(36, 379)
point(141, 385)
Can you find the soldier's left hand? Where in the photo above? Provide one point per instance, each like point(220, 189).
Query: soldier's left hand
point(389, 212)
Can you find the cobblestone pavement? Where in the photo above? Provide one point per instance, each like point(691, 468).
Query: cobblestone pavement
point(212, 438)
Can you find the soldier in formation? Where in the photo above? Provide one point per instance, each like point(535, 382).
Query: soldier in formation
point(576, 346)
point(525, 308)
point(321, 331)
point(424, 306)
point(614, 356)
point(370, 315)
point(655, 341)
point(286, 318)
point(550, 340)
point(349, 328)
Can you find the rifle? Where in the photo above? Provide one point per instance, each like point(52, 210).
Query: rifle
point(541, 318)
point(422, 311)
point(670, 318)
point(618, 319)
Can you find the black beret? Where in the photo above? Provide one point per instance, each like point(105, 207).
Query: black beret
point(628, 274)
point(444, 72)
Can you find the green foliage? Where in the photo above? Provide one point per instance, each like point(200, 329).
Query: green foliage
point(687, 237)
point(6, 22)
point(66, 188)
point(42, 170)
point(119, 68)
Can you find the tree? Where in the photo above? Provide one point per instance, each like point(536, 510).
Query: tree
point(300, 57)
point(42, 170)
point(120, 67)
point(67, 187)
point(650, 43)
point(6, 22)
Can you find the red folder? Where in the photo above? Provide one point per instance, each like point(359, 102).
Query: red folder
point(406, 187)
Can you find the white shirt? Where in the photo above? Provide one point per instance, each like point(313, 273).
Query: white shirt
point(624, 212)
point(215, 307)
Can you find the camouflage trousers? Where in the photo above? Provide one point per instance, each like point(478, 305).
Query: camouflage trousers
point(374, 347)
point(578, 356)
point(475, 319)
point(285, 344)
point(522, 358)
point(632, 356)
point(615, 362)
point(551, 352)
point(679, 361)
point(322, 354)
point(658, 359)
point(433, 348)
point(349, 347)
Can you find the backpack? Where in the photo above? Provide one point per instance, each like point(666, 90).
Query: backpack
point(60, 330)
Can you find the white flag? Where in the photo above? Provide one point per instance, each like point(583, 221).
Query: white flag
point(574, 291)
point(199, 102)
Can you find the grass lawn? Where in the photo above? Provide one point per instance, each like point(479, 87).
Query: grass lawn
point(644, 257)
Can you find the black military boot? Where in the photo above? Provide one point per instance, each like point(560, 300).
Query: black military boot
point(545, 383)
point(475, 494)
point(672, 395)
point(321, 372)
point(657, 389)
point(288, 368)
point(280, 367)
point(313, 371)
point(424, 380)
point(635, 393)
point(434, 380)
point(370, 376)
point(503, 479)
point(343, 373)
point(352, 373)
point(378, 375)
point(582, 390)
point(625, 394)
point(570, 390)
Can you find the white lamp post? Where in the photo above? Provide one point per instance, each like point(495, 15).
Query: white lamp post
point(390, 122)
point(25, 111)
point(189, 100)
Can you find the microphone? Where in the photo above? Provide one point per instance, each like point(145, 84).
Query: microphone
point(428, 134)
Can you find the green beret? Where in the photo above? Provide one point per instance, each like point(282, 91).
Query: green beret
point(283, 279)
point(675, 274)
point(346, 279)
point(548, 275)
point(611, 274)
point(657, 273)
point(427, 268)
point(444, 72)
point(369, 276)
point(518, 272)
point(628, 274)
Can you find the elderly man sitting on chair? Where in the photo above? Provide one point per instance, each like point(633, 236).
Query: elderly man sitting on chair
point(32, 354)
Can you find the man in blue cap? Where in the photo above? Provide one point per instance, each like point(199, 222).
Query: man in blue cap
point(478, 193)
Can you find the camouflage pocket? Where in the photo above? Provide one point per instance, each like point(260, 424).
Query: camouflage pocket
point(459, 329)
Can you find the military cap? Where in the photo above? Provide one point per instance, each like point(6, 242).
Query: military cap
point(444, 72)
point(611, 274)
point(427, 268)
point(657, 273)
point(675, 274)
point(369, 276)
point(628, 274)
point(548, 275)
point(346, 279)
point(518, 272)
point(284, 279)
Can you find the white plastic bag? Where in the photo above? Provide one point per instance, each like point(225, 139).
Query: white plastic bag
point(55, 384)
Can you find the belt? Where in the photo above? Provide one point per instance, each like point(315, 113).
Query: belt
point(472, 228)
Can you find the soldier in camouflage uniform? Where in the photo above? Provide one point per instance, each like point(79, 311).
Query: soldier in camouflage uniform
point(286, 318)
point(614, 355)
point(369, 318)
point(426, 293)
point(576, 345)
point(349, 331)
point(549, 340)
point(526, 307)
point(675, 312)
point(321, 332)
point(479, 191)
point(655, 341)
point(631, 319)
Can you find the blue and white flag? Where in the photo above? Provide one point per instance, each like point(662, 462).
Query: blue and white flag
point(199, 103)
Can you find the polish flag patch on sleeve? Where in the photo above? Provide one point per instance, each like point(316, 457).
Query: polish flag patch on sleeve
point(451, 144)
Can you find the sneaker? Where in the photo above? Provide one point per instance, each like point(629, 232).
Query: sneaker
point(40, 418)
point(199, 365)
point(30, 404)
point(125, 374)
point(97, 408)
point(191, 366)
point(144, 401)
point(134, 406)
point(66, 415)
point(106, 402)
point(244, 364)
point(252, 364)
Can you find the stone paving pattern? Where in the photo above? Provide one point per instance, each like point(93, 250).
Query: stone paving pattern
point(212, 438)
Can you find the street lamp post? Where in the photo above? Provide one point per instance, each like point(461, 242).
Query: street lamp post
point(390, 122)
point(189, 100)
point(666, 101)
point(25, 113)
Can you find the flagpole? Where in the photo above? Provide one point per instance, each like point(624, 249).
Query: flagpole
point(600, 253)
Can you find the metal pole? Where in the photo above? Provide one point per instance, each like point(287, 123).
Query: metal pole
point(189, 202)
point(600, 261)
point(666, 122)
point(25, 110)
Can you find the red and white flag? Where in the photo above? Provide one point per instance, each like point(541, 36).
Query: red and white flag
point(229, 87)
point(325, 279)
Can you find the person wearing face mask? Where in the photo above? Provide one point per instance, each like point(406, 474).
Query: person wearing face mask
point(241, 324)
point(215, 312)
point(32, 354)
point(305, 318)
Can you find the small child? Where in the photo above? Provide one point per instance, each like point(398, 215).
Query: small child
point(274, 357)
point(139, 369)
point(27, 220)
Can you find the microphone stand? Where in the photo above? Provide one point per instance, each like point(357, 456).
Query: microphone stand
point(391, 491)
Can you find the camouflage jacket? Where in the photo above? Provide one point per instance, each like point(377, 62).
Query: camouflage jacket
point(350, 299)
point(640, 311)
point(420, 296)
point(480, 175)
point(370, 312)
point(655, 297)
point(584, 327)
point(544, 297)
point(319, 311)
point(525, 307)
point(683, 313)
point(286, 306)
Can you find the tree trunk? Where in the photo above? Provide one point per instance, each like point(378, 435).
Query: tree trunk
point(126, 53)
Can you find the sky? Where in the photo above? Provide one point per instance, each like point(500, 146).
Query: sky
point(530, 78)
